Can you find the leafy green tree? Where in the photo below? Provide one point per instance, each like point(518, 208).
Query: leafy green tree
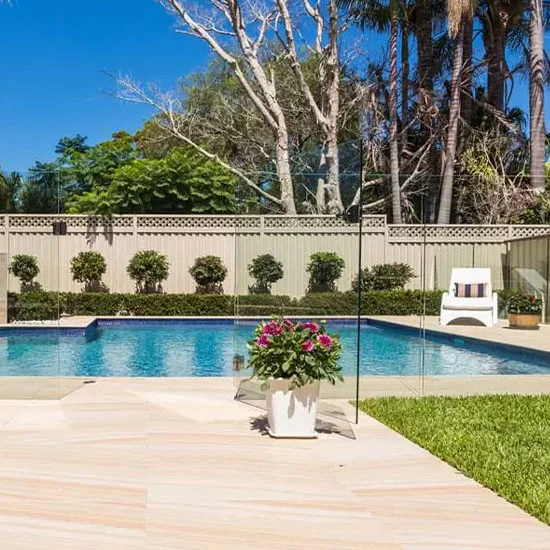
point(267, 271)
point(41, 193)
point(148, 269)
point(209, 274)
point(324, 269)
point(4, 193)
point(183, 182)
point(67, 145)
point(13, 182)
point(25, 268)
point(88, 268)
point(88, 168)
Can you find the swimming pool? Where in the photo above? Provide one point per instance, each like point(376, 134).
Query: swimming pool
point(150, 348)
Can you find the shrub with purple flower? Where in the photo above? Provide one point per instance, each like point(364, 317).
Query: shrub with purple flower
point(325, 340)
point(313, 327)
point(300, 352)
point(308, 345)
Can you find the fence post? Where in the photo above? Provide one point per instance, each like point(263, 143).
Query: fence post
point(5, 233)
point(3, 288)
point(135, 231)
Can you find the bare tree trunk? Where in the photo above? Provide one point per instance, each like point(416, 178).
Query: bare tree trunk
point(394, 145)
point(332, 112)
point(446, 199)
point(284, 173)
point(326, 112)
point(333, 170)
point(320, 195)
point(536, 96)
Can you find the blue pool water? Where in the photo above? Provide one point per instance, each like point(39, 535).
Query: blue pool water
point(206, 348)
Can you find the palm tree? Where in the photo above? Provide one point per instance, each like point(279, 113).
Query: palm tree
point(536, 96)
point(394, 122)
point(376, 14)
point(460, 12)
point(501, 22)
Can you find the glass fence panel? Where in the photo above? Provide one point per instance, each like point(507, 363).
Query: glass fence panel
point(484, 338)
point(300, 268)
point(31, 338)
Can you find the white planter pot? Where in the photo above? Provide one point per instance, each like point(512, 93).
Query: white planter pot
point(292, 413)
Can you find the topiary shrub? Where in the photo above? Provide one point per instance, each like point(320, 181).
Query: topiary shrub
point(25, 268)
point(148, 269)
point(384, 277)
point(88, 268)
point(209, 274)
point(267, 271)
point(324, 269)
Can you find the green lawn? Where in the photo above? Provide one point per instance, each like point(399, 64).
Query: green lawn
point(502, 441)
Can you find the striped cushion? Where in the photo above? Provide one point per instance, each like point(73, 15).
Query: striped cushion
point(472, 290)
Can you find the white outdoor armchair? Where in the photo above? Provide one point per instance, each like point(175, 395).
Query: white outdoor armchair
point(483, 309)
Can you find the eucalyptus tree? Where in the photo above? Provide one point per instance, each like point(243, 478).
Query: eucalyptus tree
point(241, 34)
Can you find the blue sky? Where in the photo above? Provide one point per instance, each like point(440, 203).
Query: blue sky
point(53, 57)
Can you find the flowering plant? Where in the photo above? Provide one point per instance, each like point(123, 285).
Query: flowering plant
point(300, 352)
point(524, 303)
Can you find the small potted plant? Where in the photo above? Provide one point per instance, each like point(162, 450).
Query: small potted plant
point(291, 358)
point(524, 311)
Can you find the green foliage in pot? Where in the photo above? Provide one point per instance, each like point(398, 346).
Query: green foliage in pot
point(209, 274)
point(324, 269)
point(88, 268)
point(300, 352)
point(267, 271)
point(25, 268)
point(148, 269)
point(384, 277)
point(522, 303)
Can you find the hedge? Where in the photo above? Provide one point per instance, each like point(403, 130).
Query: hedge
point(51, 305)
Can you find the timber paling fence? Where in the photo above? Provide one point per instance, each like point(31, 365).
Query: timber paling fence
point(517, 254)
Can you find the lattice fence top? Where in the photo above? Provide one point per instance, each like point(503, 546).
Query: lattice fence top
point(526, 231)
point(23, 223)
point(320, 224)
point(448, 233)
point(75, 224)
point(192, 224)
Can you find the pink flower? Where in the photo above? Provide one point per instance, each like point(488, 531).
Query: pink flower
point(313, 327)
point(307, 345)
point(262, 341)
point(325, 340)
point(289, 324)
point(273, 328)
